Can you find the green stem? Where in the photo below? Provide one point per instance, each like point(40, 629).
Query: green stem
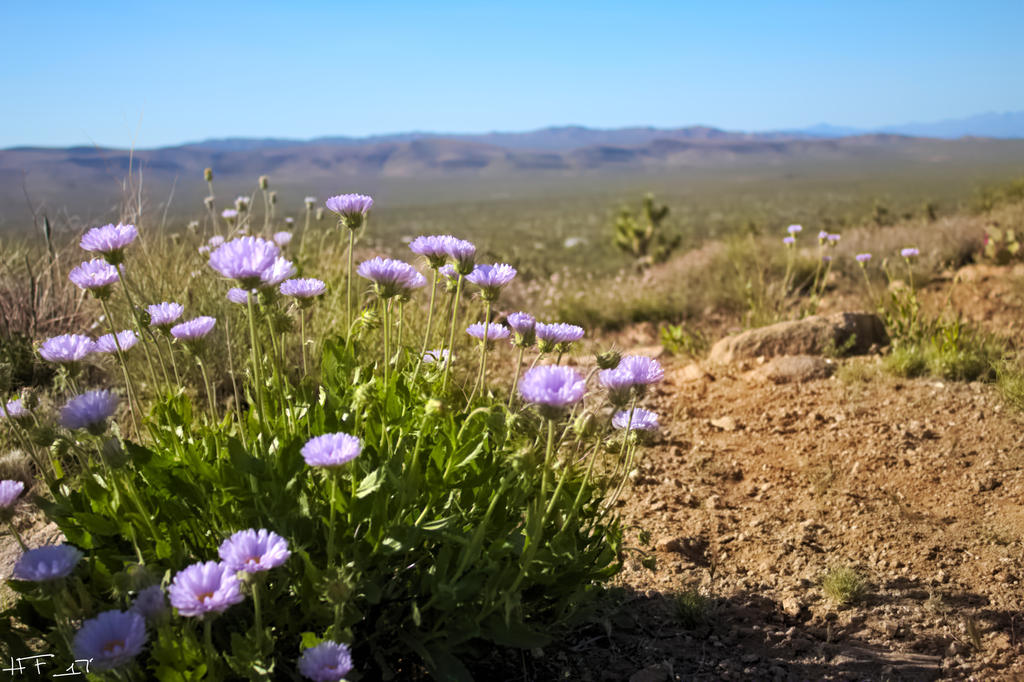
point(430, 319)
point(123, 271)
point(483, 353)
point(210, 401)
point(14, 532)
point(256, 608)
point(132, 398)
point(515, 378)
point(330, 523)
point(174, 363)
point(348, 279)
point(257, 372)
point(302, 340)
point(451, 334)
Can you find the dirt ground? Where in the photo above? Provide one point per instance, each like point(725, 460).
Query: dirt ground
point(753, 491)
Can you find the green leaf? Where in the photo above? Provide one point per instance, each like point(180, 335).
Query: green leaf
point(370, 484)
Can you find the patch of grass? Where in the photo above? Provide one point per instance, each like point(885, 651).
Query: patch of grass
point(692, 608)
point(906, 361)
point(856, 372)
point(679, 339)
point(844, 585)
point(1010, 382)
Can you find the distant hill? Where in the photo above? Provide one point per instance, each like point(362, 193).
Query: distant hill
point(90, 177)
point(1009, 125)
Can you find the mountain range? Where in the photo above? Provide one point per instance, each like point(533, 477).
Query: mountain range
point(80, 176)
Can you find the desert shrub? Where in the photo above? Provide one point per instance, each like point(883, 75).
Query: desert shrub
point(843, 585)
point(457, 524)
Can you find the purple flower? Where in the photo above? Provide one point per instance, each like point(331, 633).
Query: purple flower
point(495, 332)
point(351, 208)
point(557, 336)
point(162, 315)
point(310, 201)
point(524, 327)
point(126, 339)
point(283, 239)
point(89, 411)
point(331, 450)
point(644, 370)
point(215, 241)
point(326, 662)
point(150, 603)
point(50, 562)
point(279, 271)
point(833, 239)
point(793, 229)
point(204, 588)
point(97, 276)
point(242, 203)
point(826, 259)
point(239, 296)
point(253, 551)
point(194, 329)
point(863, 258)
point(552, 388)
point(303, 289)
point(463, 253)
point(643, 420)
point(491, 279)
point(907, 253)
point(9, 492)
point(619, 383)
point(15, 409)
point(110, 240)
point(229, 214)
point(390, 277)
point(434, 248)
point(822, 236)
point(288, 221)
point(67, 349)
point(788, 241)
point(244, 259)
point(111, 639)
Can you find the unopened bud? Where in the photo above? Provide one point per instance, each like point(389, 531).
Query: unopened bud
point(435, 407)
point(585, 425)
point(208, 174)
point(264, 182)
point(609, 359)
point(319, 214)
point(273, 198)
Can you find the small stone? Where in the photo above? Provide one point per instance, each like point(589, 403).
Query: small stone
point(725, 423)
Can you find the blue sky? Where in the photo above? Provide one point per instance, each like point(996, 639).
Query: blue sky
point(158, 73)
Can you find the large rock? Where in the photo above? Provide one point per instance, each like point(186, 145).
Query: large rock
point(809, 336)
point(794, 369)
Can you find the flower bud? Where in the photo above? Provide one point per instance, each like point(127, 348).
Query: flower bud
point(609, 359)
point(208, 174)
point(585, 425)
point(264, 182)
point(435, 407)
point(273, 198)
point(320, 214)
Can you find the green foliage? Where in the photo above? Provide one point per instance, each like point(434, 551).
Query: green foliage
point(992, 196)
point(843, 585)
point(643, 237)
point(678, 339)
point(444, 541)
point(692, 609)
